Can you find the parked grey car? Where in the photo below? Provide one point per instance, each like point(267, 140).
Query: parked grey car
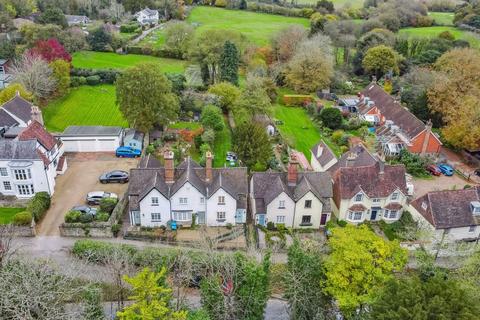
point(114, 176)
point(95, 197)
point(85, 209)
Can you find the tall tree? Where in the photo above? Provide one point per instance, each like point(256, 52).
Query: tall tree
point(178, 36)
point(50, 50)
point(380, 60)
point(53, 15)
point(359, 264)
point(253, 100)
point(229, 62)
point(212, 118)
point(61, 74)
point(99, 39)
point(303, 282)
point(35, 75)
point(10, 92)
point(145, 97)
point(252, 145)
point(227, 93)
point(151, 299)
point(285, 42)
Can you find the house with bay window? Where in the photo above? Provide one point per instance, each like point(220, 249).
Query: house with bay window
point(375, 192)
point(293, 199)
point(30, 162)
point(212, 196)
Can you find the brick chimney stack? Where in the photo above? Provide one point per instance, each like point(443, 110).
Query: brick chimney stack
point(292, 171)
point(208, 166)
point(36, 115)
point(168, 156)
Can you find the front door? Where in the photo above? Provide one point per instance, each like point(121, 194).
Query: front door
point(374, 215)
point(201, 217)
point(261, 219)
point(323, 219)
point(136, 218)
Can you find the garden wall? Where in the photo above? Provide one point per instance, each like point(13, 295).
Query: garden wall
point(20, 231)
point(96, 229)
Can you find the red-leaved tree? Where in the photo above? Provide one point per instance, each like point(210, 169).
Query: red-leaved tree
point(50, 50)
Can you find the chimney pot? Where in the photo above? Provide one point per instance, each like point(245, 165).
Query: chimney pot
point(208, 166)
point(36, 114)
point(292, 171)
point(168, 156)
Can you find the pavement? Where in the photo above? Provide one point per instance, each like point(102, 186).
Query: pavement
point(80, 178)
point(423, 186)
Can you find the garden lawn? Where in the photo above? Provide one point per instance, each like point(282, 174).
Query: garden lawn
point(337, 3)
point(442, 18)
point(85, 105)
point(105, 60)
point(223, 144)
point(257, 27)
point(431, 32)
point(299, 130)
point(185, 125)
point(7, 214)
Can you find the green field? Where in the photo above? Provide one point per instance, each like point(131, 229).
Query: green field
point(337, 3)
point(85, 105)
point(223, 144)
point(258, 27)
point(7, 214)
point(431, 32)
point(104, 60)
point(298, 129)
point(442, 18)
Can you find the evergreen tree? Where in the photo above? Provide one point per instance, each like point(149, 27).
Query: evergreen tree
point(229, 63)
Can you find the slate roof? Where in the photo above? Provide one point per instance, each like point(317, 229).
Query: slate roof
point(268, 185)
point(36, 131)
point(134, 134)
point(363, 158)
point(392, 110)
point(19, 107)
point(449, 208)
point(92, 131)
point(322, 153)
point(7, 120)
point(348, 181)
point(18, 150)
point(144, 179)
point(149, 161)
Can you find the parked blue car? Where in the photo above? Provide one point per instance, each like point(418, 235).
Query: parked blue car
point(127, 152)
point(446, 169)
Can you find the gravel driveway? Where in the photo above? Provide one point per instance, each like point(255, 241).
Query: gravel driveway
point(80, 178)
point(422, 186)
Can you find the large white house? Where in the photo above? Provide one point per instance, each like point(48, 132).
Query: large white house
point(215, 196)
point(30, 162)
point(452, 215)
point(293, 199)
point(147, 16)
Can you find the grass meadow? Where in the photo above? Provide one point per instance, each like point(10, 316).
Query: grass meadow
point(431, 32)
point(105, 60)
point(85, 105)
point(7, 214)
point(442, 18)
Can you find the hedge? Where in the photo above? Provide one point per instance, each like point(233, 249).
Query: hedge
point(73, 216)
point(23, 218)
point(297, 99)
point(93, 80)
point(39, 205)
point(276, 9)
point(79, 75)
point(108, 204)
point(157, 52)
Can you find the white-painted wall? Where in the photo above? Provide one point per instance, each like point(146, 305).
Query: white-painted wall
point(273, 210)
point(192, 194)
point(315, 211)
point(146, 209)
point(91, 144)
point(38, 178)
point(213, 207)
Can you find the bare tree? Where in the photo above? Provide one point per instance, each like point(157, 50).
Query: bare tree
point(7, 243)
point(35, 75)
point(182, 273)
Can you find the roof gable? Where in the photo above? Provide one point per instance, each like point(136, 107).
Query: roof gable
point(36, 131)
point(322, 153)
point(19, 107)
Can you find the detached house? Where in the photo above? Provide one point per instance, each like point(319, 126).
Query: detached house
point(147, 16)
point(18, 112)
point(30, 162)
point(374, 192)
point(293, 199)
point(396, 127)
point(453, 215)
point(215, 196)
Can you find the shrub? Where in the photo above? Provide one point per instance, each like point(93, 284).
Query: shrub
point(297, 99)
point(108, 204)
point(337, 136)
point(130, 27)
point(73, 216)
point(93, 80)
point(39, 205)
point(116, 229)
point(342, 223)
point(102, 216)
point(23, 218)
point(229, 226)
point(85, 218)
point(270, 226)
point(331, 118)
point(77, 81)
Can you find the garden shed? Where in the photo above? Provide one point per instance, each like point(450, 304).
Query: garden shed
point(92, 138)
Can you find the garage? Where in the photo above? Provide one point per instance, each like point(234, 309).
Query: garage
point(91, 138)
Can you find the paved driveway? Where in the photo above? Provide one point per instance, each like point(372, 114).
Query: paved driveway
point(423, 186)
point(80, 178)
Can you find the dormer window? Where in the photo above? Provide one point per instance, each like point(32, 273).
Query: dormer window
point(358, 197)
point(394, 196)
point(475, 206)
point(424, 205)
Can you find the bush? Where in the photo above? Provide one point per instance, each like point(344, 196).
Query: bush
point(77, 81)
point(108, 204)
point(331, 118)
point(23, 218)
point(342, 223)
point(39, 205)
point(414, 164)
point(106, 75)
point(271, 226)
point(116, 229)
point(93, 80)
point(130, 28)
point(85, 218)
point(297, 99)
point(73, 216)
point(229, 226)
point(102, 216)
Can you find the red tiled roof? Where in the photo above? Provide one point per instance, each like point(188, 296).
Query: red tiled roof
point(36, 131)
point(393, 206)
point(357, 207)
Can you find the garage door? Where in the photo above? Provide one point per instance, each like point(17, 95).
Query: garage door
point(91, 145)
point(106, 145)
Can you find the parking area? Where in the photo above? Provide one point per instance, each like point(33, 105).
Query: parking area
point(80, 178)
point(422, 186)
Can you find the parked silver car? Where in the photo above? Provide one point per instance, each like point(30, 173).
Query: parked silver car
point(85, 209)
point(95, 197)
